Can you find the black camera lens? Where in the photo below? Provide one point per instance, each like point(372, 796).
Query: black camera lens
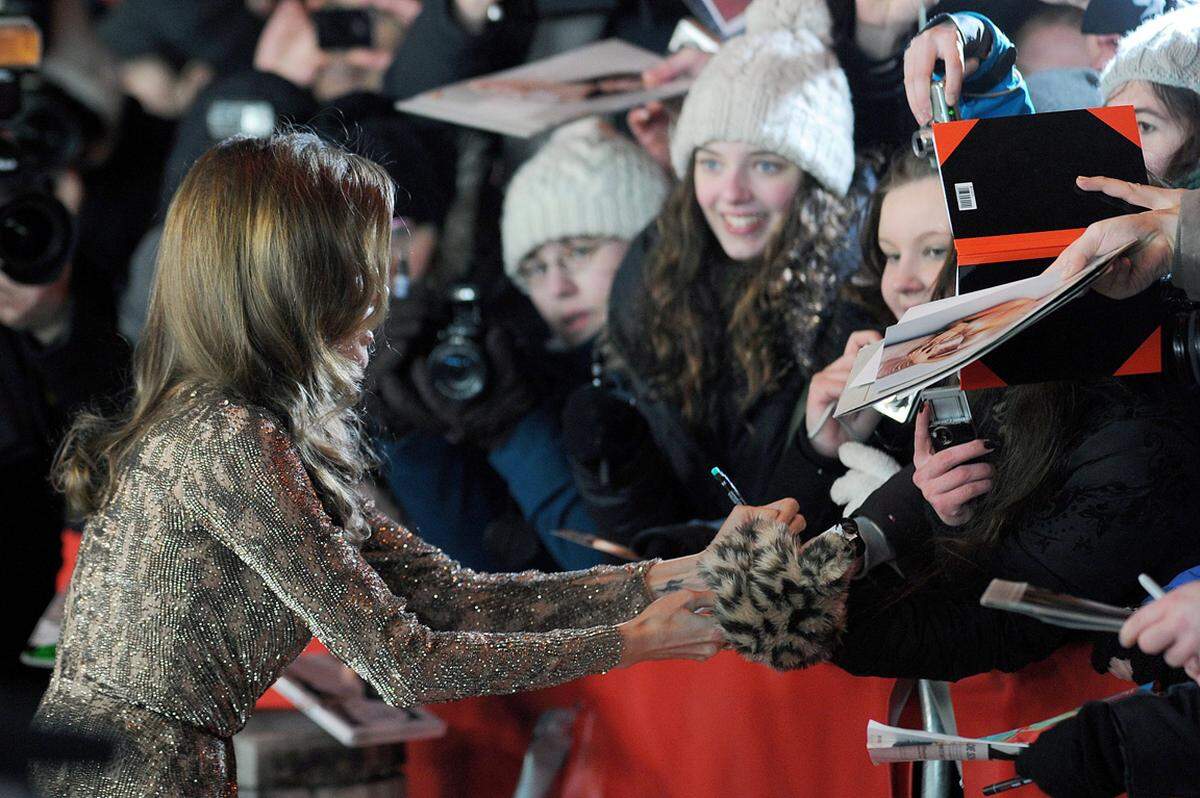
point(35, 238)
point(458, 369)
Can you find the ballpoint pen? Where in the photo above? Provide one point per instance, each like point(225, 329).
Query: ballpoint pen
point(1005, 786)
point(725, 482)
point(1151, 586)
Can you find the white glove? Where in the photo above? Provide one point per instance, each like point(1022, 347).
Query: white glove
point(868, 468)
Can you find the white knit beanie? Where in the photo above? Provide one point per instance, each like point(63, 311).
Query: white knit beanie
point(587, 180)
point(1165, 49)
point(764, 16)
point(782, 91)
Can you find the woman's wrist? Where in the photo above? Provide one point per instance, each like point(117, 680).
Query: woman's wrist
point(668, 576)
point(631, 643)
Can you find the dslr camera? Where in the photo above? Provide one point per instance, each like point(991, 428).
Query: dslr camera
point(457, 364)
point(41, 132)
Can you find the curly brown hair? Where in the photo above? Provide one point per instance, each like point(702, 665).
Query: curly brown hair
point(694, 322)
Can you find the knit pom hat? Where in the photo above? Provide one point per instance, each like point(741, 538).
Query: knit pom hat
point(1166, 50)
point(764, 16)
point(587, 180)
point(780, 91)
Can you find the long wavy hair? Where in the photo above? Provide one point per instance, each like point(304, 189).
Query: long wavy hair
point(274, 251)
point(694, 316)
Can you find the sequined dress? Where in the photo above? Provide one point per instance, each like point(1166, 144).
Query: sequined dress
point(214, 563)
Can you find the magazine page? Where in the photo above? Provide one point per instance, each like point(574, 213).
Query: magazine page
point(892, 744)
point(599, 78)
point(964, 329)
point(335, 698)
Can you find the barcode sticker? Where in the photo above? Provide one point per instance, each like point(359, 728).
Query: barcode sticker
point(966, 196)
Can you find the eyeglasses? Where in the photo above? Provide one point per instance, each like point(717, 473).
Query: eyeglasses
point(573, 256)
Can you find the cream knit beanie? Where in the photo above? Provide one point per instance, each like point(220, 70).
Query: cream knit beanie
point(1165, 49)
point(782, 91)
point(764, 16)
point(587, 180)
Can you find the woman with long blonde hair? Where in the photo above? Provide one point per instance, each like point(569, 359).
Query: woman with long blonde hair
point(224, 527)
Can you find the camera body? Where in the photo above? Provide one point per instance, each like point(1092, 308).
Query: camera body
point(343, 28)
point(922, 140)
point(40, 133)
point(950, 421)
point(457, 364)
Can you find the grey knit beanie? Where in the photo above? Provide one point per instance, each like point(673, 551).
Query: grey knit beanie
point(587, 180)
point(782, 91)
point(1165, 50)
point(764, 16)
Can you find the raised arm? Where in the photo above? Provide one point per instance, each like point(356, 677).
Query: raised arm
point(248, 487)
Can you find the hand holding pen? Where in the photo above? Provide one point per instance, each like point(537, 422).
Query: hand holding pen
point(1169, 625)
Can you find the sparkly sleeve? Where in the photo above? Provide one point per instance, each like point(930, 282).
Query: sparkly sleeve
point(245, 483)
point(449, 596)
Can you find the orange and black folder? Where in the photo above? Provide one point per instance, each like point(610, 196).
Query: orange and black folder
point(1014, 206)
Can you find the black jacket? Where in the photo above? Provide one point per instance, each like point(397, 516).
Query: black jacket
point(1120, 507)
point(1146, 745)
point(41, 388)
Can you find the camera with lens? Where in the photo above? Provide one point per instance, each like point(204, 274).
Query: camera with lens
point(457, 364)
point(922, 140)
point(1181, 343)
point(41, 132)
point(950, 420)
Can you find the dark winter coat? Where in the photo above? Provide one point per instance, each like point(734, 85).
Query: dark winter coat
point(1118, 506)
point(667, 480)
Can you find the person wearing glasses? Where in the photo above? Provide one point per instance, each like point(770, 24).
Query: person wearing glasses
point(569, 214)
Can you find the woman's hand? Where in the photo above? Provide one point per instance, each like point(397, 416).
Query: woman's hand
point(824, 389)
point(672, 628)
point(1169, 626)
point(881, 25)
point(783, 511)
point(650, 124)
point(948, 481)
point(681, 573)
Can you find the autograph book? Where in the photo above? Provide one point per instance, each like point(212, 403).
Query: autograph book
point(599, 78)
point(1009, 184)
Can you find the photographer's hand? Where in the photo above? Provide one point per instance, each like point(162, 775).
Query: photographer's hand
point(947, 479)
point(287, 46)
point(487, 420)
point(409, 333)
point(42, 311)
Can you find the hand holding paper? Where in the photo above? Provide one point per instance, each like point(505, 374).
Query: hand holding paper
point(1154, 231)
point(1169, 626)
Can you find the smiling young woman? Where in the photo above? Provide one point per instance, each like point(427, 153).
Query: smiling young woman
point(721, 310)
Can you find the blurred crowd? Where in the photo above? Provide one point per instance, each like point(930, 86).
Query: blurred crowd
point(583, 324)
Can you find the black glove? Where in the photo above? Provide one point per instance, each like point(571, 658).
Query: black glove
point(488, 419)
point(410, 332)
point(599, 426)
point(1079, 758)
point(1146, 668)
